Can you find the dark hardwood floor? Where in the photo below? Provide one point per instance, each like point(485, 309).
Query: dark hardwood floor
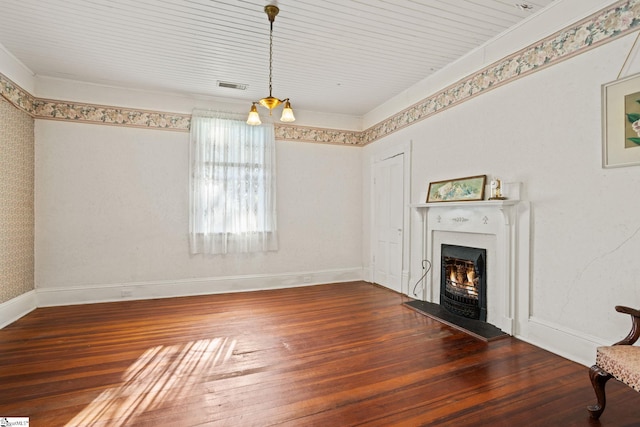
point(333, 355)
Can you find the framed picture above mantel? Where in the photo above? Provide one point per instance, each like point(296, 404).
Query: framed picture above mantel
point(621, 122)
point(457, 190)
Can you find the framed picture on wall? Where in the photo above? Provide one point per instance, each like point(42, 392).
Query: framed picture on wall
point(457, 190)
point(621, 122)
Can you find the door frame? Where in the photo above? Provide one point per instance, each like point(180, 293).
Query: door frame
point(376, 157)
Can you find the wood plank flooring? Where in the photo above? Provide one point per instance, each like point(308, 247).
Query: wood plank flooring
point(344, 354)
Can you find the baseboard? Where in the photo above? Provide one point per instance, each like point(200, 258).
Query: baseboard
point(405, 284)
point(570, 344)
point(367, 275)
point(48, 297)
point(15, 308)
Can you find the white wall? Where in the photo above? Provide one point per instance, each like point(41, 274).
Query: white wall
point(16, 70)
point(545, 130)
point(112, 216)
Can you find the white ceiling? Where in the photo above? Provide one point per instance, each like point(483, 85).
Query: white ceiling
point(338, 56)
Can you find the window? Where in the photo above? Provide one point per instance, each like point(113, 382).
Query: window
point(232, 186)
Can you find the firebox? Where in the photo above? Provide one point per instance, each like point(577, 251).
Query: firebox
point(463, 281)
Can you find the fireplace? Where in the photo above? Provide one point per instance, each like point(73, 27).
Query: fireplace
point(463, 281)
point(501, 228)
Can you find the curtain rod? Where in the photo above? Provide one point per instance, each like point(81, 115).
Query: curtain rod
point(203, 112)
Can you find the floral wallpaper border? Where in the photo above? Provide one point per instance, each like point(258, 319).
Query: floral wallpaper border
point(87, 113)
point(317, 135)
point(607, 25)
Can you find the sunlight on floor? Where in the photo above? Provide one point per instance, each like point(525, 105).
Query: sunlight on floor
point(160, 373)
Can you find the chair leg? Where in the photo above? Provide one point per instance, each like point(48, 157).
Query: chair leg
point(598, 378)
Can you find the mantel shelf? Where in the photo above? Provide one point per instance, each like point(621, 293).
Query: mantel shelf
point(476, 204)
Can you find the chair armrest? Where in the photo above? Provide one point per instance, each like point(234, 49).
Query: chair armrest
point(635, 325)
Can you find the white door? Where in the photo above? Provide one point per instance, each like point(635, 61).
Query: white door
point(388, 193)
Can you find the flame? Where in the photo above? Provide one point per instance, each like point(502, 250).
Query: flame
point(472, 282)
point(471, 275)
point(464, 279)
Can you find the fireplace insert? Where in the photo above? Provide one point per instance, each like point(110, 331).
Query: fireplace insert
point(463, 281)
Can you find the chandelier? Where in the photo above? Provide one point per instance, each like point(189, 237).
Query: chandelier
point(270, 102)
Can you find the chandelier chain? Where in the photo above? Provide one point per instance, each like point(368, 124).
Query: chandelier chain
point(270, 56)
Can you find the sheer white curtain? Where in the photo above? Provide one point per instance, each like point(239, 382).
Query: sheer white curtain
point(232, 186)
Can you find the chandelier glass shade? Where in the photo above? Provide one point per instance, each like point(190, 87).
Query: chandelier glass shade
point(271, 102)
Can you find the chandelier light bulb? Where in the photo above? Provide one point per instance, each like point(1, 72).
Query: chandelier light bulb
point(254, 117)
point(287, 112)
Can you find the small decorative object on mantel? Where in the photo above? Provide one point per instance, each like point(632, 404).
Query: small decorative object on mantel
point(496, 190)
point(457, 190)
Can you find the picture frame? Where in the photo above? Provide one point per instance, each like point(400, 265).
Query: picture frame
point(621, 122)
point(467, 189)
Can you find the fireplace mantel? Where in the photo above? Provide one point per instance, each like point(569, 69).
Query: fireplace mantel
point(504, 225)
point(502, 205)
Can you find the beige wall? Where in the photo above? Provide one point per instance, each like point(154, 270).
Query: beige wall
point(16, 201)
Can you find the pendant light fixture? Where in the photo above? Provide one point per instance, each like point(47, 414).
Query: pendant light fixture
point(271, 102)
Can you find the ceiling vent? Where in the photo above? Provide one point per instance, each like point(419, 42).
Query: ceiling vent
point(230, 85)
point(524, 6)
